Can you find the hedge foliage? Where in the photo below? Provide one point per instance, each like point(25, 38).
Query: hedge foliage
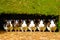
point(48, 7)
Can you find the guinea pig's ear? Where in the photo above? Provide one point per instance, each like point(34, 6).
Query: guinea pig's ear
point(43, 19)
point(34, 19)
point(49, 20)
point(29, 20)
point(38, 19)
point(5, 20)
point(14, 20)
point(54, 19)
point(18, 20)
point(11, 20)
point(21, 20)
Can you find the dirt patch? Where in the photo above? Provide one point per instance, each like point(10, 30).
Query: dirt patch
point(30, 36)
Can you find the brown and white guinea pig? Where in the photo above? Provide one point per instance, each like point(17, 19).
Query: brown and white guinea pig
point(32, 25)
point(16, 25)
point(8, 25)
point(24, 26)
point(41, 25)
point(51, 26)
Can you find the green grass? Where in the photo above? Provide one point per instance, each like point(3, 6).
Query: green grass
point(30, 6)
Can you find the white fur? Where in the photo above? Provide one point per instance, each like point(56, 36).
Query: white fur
point(5, 26)
point(24, 24)
point(51, 25)
point(48, 28)
point(31, 24)
point(16, 22)
point(40, 24)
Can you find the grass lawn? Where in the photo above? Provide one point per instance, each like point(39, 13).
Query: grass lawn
point(30, 6)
